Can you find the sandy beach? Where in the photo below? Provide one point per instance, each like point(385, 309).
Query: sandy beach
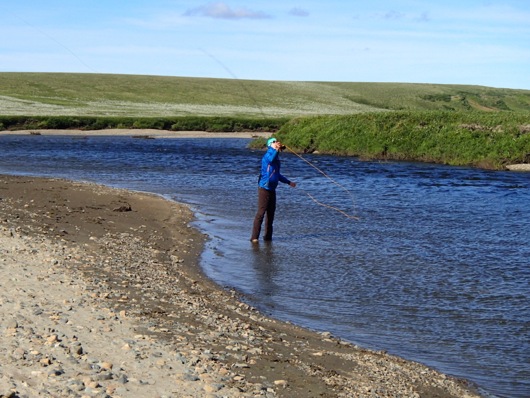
point(102, 296)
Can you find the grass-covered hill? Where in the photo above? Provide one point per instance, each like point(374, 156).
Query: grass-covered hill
point(70, 94)
point(453, 124)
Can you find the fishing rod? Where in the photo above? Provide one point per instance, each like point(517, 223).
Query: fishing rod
point(245, 89)
point(249, 94)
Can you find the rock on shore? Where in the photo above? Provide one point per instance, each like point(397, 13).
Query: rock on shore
point(101, 296)
point(519, 167)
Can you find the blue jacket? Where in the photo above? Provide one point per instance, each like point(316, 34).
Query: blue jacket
point(270, 171)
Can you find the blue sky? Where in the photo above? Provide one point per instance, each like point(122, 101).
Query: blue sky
point(479, 42)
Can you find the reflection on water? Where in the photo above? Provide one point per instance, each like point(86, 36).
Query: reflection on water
point(435, 270)
point(264, 262)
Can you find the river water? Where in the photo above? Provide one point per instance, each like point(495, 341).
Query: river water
point(435, 267)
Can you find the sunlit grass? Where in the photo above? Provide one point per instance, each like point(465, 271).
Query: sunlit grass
point(68, 94)
point(483, 139)
point(57, 107)
point(453, 124)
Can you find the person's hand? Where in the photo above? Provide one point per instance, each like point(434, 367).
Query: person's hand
point(292, 184)
point(277, 145)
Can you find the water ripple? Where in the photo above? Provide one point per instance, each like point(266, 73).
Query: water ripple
point(436, 269)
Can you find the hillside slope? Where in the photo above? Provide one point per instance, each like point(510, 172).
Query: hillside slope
point(34, 94)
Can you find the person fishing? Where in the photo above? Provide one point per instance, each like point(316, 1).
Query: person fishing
point(268, 181)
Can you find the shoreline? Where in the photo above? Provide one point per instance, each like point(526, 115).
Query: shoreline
point(138, 133)
point(124, 268)
point(153, 133)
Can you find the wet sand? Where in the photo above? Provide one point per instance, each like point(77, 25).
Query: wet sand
point(101, 293)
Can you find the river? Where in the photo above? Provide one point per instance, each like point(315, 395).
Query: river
point(434, 267)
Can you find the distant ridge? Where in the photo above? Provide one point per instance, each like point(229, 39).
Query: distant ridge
point(75, 94)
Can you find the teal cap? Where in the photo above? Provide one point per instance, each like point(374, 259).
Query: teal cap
point(270, 141)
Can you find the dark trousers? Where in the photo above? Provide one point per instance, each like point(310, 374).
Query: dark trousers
point(266, 207)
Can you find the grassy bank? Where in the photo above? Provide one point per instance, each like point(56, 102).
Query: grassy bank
point(488, 140)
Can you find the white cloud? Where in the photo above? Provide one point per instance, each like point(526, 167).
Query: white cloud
point(381, 41)
point(424, 17)
point(393, 14)
point(221, 10)
point(298, 12)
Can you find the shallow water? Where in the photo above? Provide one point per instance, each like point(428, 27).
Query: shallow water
point(436, 268)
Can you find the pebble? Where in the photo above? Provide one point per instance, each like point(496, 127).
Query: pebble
point(212, 387)
point(106, 365)
point(12, 324)
point(110, 318)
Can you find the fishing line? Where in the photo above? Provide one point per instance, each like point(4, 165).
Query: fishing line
point(54, 40)
point(330, 207)
point(291, 150)
point(330, 179)
point(245, 88)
